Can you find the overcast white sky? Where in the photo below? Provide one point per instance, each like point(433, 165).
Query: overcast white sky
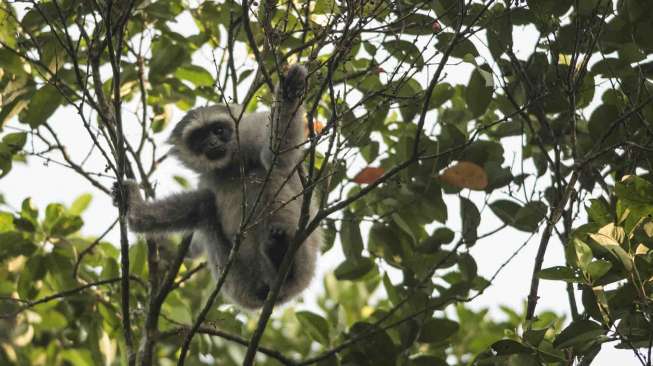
point(52, 183)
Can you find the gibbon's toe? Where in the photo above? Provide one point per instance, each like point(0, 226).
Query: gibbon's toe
point(277, 244)
point(294, 83)
point(262, 292)
point(124, 191)
point(117, 193)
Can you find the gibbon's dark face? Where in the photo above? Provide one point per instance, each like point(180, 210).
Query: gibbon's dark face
point(211, 140)
point(204, 139)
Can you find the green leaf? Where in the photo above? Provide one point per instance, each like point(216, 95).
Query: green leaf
point(433, 243)
point(60, 264)
point(10, 145)
point(28, 210)
point(33, 19)
point(393, 293)
point(21, 224)
point(405, 51)
point(534, 336)
point(385, 241)
point(462, 48)
point(8, 26)
point(67, 225)
point(165, 11)
point(353, 269)
point(615, 249)
point(314, 326)
point(601, 121)
point(378, 347)
point(53, 321)
point(243, 75)
point(166, 57)
point(52, 213)
point(110, 269)
point(579, 333)
point(478, 93)
point(350, 234)
point(5, 164)
point(522, 359)
point(471, 218)
point(558, 273)
point(468, 267)
point(12, 63)
point(325, 7)
point(529, 217)
point(499, 33)
point(162, 114)
point(137, 256)
point(415, 24)
point(329, 234)
point(510, 347)
point(41, 106)
point(405, 226)
point(437, 330)
point(77, 357)
point(183, 182)
point(428, 361)
point(408, 89)
point(195, 74)
point(441, 93)
point(80, 204)
point(14, 141)
point(33, 271)
point(599, 212)
point(6, 222)
point(11, 109)
point(505, 210)
point(598, 268)
point(583, 253)
point(552, 7)
point(13, 244)
point(635, 189)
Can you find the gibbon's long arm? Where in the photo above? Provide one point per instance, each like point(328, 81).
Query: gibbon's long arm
point(178, 212)
point(287, 121)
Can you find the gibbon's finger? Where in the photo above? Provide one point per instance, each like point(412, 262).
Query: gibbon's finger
point(294, 83)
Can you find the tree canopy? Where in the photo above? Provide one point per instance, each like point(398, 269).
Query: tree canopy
point(408, 165)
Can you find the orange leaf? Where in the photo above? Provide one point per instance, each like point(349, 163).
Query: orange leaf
point(369, 175)
point(317, 127)
point(465, 174)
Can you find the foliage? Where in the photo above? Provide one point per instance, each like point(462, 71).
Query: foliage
point(392, 144)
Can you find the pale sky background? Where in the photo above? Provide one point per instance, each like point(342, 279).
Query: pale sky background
point(46, 183)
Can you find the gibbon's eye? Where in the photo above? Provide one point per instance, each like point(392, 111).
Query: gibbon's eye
point(221, 130)
point(218, 130)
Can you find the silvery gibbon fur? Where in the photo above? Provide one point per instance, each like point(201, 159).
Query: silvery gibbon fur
point(269, 147)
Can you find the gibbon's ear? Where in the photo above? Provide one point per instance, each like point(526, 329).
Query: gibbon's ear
point(178, 130)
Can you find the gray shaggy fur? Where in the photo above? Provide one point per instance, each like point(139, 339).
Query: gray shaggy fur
point(269, 149)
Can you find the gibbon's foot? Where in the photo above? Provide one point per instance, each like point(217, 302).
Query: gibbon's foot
point(117, 193)
point(262, 292)
point(125, 191)
point(294, 83)
point(277, 244)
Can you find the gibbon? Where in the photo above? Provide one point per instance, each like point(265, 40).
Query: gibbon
point(257, 166)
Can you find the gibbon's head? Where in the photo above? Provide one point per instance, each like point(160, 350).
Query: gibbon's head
point(204, 139)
